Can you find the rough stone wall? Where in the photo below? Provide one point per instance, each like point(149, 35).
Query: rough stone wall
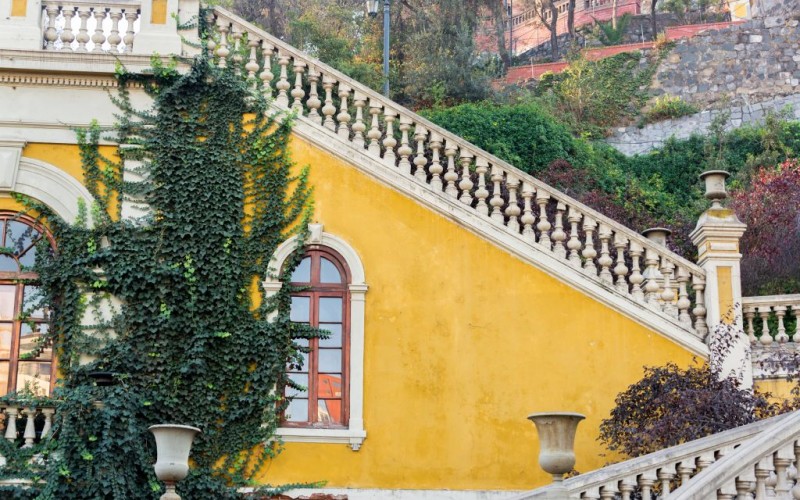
point(746, 63)
point(634, 140)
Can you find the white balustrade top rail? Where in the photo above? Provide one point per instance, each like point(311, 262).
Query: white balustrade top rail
point(90, 26)
point(605, 250)
point(672, 469)
point(768, 307)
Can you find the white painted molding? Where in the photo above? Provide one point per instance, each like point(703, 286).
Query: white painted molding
point(386, 494)
point(355, 434)
point(499, 235)
point(10, 154)
point(51, 186)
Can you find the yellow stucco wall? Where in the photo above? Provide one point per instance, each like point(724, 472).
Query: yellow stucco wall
point(463, 341)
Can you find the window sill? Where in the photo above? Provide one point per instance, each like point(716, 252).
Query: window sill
point(352, 437)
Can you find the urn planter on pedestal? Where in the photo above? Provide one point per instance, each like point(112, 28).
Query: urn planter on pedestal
point(556, 442)
point(657, 235)
point(715, 186)
point(173, 443)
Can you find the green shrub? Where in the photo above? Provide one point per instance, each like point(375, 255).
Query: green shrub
point(667, 107)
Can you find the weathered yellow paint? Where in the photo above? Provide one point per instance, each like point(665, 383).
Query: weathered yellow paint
point(159, 13)
point(19, 8)
point(780, 389)
point(725, 294)
point(462, 342)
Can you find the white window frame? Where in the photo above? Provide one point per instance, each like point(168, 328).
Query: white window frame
point(355, 434)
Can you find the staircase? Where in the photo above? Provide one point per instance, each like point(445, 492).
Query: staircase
point(572, 242)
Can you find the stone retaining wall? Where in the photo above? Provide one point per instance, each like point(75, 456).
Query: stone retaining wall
point(634, 140)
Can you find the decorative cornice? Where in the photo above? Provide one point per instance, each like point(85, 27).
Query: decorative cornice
point(59, 81)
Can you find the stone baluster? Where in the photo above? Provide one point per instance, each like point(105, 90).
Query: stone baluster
point(50, 34)
point(605, 260)
point(763, 312)
point(726, 492)
point(237, 59)
point(589, 253)
point(666, 475)
point(11, 423)
point(30, 429)
point(512, 209)
point(389, 142)
point(48, 421)
point(283, 84)
point(374, 134)
point(313, 103)
point(705, 460)
point(420, 161)
point(465, 184)
point(796, 488)
point(699, 311)
point(558, 235)
point(796, 337)
point(685, 470)
point(359, 102)
point(328, 110)
point(609, 491)
point(450, 175)
point(781, 337)
point(646, 483)
point(297, 92)
point(114, 38)
point(211, 44)
point(683, 296)
point(749, 315)
point(782, 461)
point(497, 194)
point(592, 493)
point(527, 213)
point(626, 488)
point(344, 115)
point(621, 270)
point(652, 275)
point(668, 293)
point(542, 198)
point(99, 37)
point(636, 278)
point(481, 193)
point(130, 16)
point(252, 60)
point(404, 151)
point(744, 488)
point(67, 36)
point(266, 75)
point(83, 32)
point(223, 51)
point(574, 242)
point(436, 167)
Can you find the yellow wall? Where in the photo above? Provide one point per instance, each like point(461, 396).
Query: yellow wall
point(463, 341)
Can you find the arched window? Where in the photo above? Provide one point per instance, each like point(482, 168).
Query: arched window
point(323, 303)
point(21, 326)
point(331, 410)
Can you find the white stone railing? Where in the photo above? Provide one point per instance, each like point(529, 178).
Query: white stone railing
point(669, 473)
point(607, 252)
point(768, 315)
point(86, 26)
point(24, 424)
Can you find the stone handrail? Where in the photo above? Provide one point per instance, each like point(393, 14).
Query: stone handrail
point(78, 25)
point(759, 467)
point(666, 470)
point(768, 307)
point(606, 251)
point(19, 425)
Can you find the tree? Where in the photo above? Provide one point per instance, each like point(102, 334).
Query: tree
point(547, 12)
point(571, 18)
point(653, 22)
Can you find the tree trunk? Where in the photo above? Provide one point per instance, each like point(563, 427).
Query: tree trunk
point(653, 18)
point(500, 32)
point(571, 18)
point(554, 30)
point(614, 14)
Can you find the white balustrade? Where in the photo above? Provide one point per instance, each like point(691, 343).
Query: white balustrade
point(757, 461)
point(774, 318)
point(85, 26)
point(25, 425)
point(612, 255)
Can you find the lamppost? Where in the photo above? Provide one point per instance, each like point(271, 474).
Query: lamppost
point(372, 10)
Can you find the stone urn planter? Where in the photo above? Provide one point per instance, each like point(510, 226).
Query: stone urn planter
point(715, 186)
point(657, 235)
point(556, 442)
point(173, 443)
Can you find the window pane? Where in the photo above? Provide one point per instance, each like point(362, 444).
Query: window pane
point(330, 360)
point(19, 236)
point(301, 380)
point(34, 376)
point(7, 295)
point(296, 367)
point(5, 340)
point(29, 340)
point(328, 272)
point(3, 378)
point(335, 339)
point(28, 259)
point(31, 299)
point(7, 263)
point(297, 411)
point(329, 385)
point(330, 309)
point(300, 309)
point(302, 273)
point(329, 411)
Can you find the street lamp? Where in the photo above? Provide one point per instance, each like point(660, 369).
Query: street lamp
point(372, 10)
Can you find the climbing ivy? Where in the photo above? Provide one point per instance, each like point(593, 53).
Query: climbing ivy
point(189, 341)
